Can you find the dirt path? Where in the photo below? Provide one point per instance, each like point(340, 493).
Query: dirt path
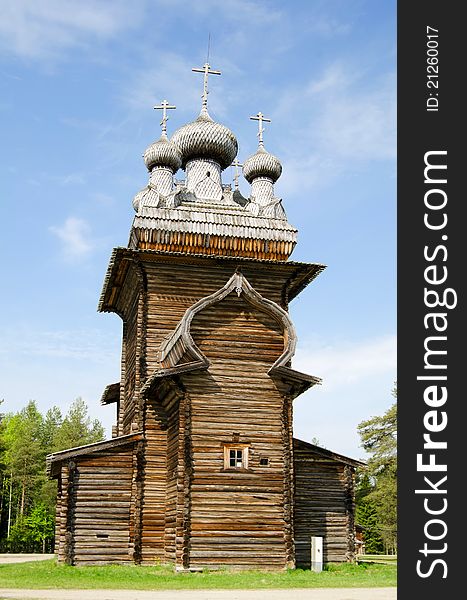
point(19, 558)
point(295, 594)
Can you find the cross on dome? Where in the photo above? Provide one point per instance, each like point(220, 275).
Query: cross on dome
point(236, 164)
point(164, 106)
point(260, 118)
point(207, 71)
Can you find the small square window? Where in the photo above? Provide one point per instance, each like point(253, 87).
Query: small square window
point(235, 456)
point(264, 462)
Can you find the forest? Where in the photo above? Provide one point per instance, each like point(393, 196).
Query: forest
point(27, 497)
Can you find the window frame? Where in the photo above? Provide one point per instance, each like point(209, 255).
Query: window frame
point(237, 447)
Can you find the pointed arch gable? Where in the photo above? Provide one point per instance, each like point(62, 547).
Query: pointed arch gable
point(179, 353)
point(181, 341)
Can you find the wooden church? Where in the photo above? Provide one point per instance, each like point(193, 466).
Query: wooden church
point(203, 470)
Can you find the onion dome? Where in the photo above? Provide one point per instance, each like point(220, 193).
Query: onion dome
point(163, 153)
point(137, 199)
point(204, 138)
point(148, 196)
point(262, 164)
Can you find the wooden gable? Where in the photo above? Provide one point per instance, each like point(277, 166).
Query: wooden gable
point(324, 503)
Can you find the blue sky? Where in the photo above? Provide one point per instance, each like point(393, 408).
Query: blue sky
point(78, 83)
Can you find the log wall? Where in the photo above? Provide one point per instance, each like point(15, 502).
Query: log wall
point(61, 513)
point(93, 511)
point(242, 343)
point(324, 506)
point(237, 516)
point(130, 368)
point(154, 487)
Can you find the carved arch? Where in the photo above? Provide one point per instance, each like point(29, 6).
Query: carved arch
point(181, 341)
point(179, 353)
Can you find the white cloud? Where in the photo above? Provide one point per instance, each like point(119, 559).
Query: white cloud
point(361, 125)
point(169, 77)
point(43, 29)
point(348, 363)
point(65, 179)
point(346, 120)
point(63, 364)
point(103, 199)
point(333, 76)
point(328, 26)
point(90, 345)
point(247, 12)
point(357, 381)
point(308, 172)
point(75, 237)
point(72, 179)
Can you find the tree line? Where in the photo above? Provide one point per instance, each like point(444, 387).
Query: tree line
point(376, 490)
point(27, 496)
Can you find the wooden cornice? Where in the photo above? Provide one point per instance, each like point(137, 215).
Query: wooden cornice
point(297, 382)
point(111, 394)
point(300, 274)
point(53, 461)
point(162, 372)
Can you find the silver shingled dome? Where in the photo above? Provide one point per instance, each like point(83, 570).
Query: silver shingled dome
point(204, 138)
point(163, 153)
point(262, 164)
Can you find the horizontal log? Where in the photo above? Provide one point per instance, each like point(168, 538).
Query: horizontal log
point(99, 510)
point(118, 545)
point(84, 551)
point(238, 556)
point(238, 541)
point(87, 531)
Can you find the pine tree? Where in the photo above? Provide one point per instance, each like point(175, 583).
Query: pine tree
point(379, 438)
point(77, 428)
point(52, 423)
point(366, 513)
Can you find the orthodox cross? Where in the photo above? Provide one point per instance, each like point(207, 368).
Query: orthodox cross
point(164, 106)
point(207, 71)
point(236, 164)
point(260, 118)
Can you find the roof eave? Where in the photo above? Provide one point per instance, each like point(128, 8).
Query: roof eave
point(53, 461)
point(325, 453)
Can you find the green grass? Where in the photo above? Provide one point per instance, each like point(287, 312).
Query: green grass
point(48, 574)
point(378, 558)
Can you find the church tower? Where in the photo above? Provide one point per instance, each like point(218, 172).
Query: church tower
point(200, 469)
